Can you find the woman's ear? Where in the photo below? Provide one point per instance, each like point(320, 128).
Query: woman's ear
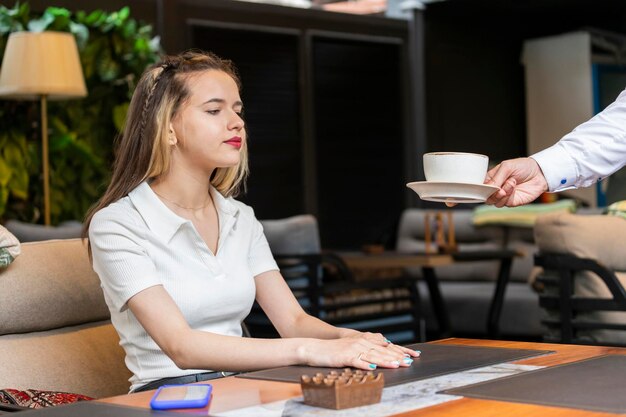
point(171, 136)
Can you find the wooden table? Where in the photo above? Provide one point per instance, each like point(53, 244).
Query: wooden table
point(428, 262)
point(234, 393)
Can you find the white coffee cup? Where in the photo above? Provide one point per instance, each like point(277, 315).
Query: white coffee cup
point(457, 167)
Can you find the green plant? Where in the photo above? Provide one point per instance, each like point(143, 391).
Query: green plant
point(114, 51)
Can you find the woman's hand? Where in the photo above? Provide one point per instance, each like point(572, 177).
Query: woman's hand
point(379, 339)
point(359, 350)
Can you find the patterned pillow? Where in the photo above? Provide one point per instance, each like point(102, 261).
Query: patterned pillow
point(522, 216)
point(9, 247)
point(33, 398)
point(617, 209)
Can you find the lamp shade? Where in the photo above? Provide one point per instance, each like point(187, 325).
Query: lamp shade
point(41, 63)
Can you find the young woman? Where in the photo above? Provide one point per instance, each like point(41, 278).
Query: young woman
point(181, 262)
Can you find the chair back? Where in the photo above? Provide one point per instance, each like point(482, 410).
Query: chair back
point(295, 244)
point(296, 235)
point(324, 286)
point(582, 283)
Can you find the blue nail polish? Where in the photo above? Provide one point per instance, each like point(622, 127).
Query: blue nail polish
point(419, 352)
point(372, 366)
point(387, 340)
point(407, 360)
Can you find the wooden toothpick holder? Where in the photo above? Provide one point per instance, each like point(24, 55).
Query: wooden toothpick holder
point(342, 390)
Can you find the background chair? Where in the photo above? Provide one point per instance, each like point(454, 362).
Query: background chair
point(582, 285)
point(325, 288)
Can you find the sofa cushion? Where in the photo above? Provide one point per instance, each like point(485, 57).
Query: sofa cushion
point(411, 230)
point(594, 237)
point(51, 285)
point(29, 232)
point(85, 359)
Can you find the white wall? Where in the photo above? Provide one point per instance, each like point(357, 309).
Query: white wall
point(559, 91)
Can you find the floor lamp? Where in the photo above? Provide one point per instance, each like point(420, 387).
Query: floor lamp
point(42, 66)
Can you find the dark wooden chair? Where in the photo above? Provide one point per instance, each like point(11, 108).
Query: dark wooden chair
point(572, 317)
point(325, 288)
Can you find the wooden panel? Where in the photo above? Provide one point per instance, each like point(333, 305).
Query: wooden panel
point(359, 135)
point(268, 66)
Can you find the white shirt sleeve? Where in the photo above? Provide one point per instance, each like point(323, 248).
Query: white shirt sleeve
point(119, 258)
point(591, 152)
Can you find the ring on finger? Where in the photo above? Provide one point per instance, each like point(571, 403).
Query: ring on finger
point(360, 357)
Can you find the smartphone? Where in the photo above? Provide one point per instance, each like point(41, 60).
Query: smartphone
point(181, 396)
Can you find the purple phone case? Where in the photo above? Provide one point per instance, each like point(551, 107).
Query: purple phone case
point(201, 402)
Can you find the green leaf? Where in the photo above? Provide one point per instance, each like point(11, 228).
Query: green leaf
point(5, 26)
point(19, 10)
point(60, 142)
point(82, 149)
point(14, 12)
point(145, 30)
point(24, 9)
point(5, 173)
point(58, 125)
point(108, 69)
point(81, 33)
point(39, 25)
point(58, 12)
point(19, 184)
point(82, 132)
point(61, 24)
point(155, 44)
point(19, 139)
point(4, 196)
point(95, 18)
point(119, 115)
point(142, 45)
point(13, 154)
point(123, 13)
point(129, 28)
point(60, 16)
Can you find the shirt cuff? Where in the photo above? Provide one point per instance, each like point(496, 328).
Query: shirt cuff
point(558, 168)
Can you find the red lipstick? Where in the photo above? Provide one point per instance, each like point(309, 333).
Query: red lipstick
point(235, 141)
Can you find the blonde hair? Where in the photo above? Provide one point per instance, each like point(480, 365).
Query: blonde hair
point(143, 150)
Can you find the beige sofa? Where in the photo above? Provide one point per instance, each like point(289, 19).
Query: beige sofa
point(55, 332)
point(467, 288)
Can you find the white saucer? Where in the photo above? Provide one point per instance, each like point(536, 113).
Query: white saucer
point(452, 192)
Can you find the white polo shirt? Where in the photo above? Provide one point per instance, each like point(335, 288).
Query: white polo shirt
point(138, 242)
